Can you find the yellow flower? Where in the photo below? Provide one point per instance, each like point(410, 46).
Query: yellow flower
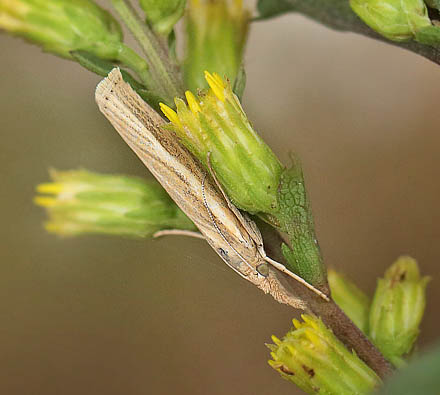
point(213, 122)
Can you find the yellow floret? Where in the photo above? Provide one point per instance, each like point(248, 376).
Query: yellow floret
point(170, 114)
point(216, 84)
point(45, 201)
point(50, 188)
point(192, 102)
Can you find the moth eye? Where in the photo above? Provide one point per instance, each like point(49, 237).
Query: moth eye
point(222, 252)
point(263, 269)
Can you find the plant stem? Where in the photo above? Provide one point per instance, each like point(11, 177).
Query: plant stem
point(165, 76)
point(135, 62)
point(330, 313)
point(337, 14)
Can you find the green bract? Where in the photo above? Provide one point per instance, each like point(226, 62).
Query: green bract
point(215, 37)
point(294, 217)
point(316, 361)
point(397, 309)
point(214, 122)
point(81, 202)
point(397, 20)
point(162, 15)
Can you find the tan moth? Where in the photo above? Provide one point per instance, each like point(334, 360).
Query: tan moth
point(235, 238)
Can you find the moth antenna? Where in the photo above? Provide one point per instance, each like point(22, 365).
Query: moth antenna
point(283, 269)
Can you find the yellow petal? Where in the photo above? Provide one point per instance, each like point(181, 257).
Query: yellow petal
point(170, 114)
point(50, 187)
point(216, 84)
point(192, 102)
point(45, 201)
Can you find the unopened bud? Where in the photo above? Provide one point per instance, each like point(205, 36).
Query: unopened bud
point(64, 26)
point(397, 20)
point(215, 37)
point(80, 202)
point(397, 309)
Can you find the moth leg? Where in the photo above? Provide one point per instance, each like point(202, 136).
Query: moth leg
point(178, 232)
point(247, 223)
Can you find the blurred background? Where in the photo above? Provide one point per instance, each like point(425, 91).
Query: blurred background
point(97, 315)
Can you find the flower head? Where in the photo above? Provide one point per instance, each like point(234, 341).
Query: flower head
point(65, 26)
point(397, 309)
point(80, 201)
point(313, 358)
point(215, 37)
point(214, 123)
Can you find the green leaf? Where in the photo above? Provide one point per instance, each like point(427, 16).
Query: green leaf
point(270, 8)
point(240, 82)
point(428, 35)
point(103, 67)
point(422, 376)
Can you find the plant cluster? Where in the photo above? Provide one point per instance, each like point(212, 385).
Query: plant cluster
point(200, 95)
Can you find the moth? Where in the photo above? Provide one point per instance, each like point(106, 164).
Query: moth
point(234, 237)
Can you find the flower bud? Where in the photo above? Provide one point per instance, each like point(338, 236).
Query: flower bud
point(215, 37)
point(80, 202)
point(316, 361)
point(397, 309)
point(214, 122)
point(162, 15)
point(353, 301)
point(397, 20)
point(64, 26)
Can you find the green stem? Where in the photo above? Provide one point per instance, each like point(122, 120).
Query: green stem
point(130, 58)
point(164, 73)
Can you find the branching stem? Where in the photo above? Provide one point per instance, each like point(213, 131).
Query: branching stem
point(165, 75)
point(337, 14)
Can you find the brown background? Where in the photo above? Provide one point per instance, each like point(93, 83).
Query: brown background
point(98, 315)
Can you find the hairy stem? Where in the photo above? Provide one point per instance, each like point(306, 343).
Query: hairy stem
point(330, 313)
point(165, 75)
